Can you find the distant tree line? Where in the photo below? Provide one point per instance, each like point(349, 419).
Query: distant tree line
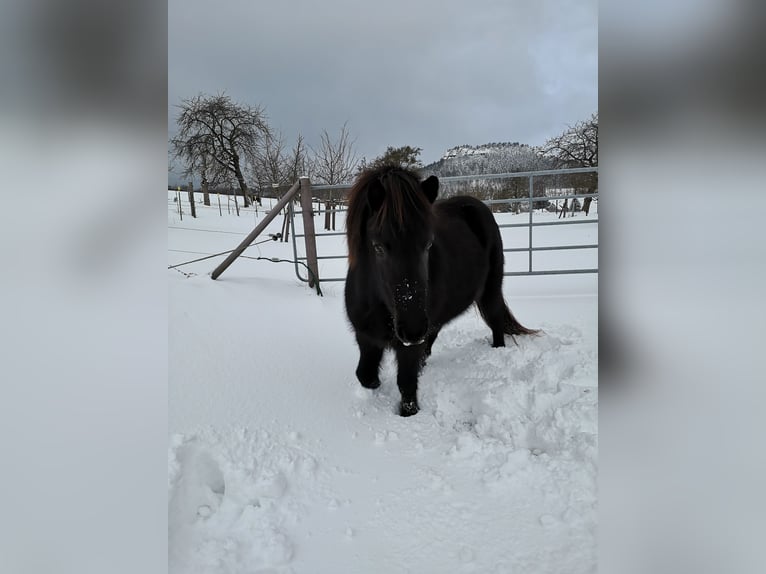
point(228, 145)
point(225, 144)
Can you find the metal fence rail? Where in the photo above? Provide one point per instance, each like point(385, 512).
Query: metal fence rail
point(311, 235)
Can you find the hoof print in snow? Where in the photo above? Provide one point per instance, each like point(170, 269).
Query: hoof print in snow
point(464, 426)
point(200, 488)
point(409, 408)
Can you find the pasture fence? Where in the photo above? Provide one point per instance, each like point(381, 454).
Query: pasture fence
point(334, 198)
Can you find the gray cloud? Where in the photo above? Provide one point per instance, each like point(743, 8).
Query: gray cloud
point(432, 74)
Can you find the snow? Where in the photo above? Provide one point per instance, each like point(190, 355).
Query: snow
point(280, 462)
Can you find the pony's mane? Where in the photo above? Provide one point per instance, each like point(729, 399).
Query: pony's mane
point(390, 196)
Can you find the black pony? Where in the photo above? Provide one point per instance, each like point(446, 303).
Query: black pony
point(414, 265)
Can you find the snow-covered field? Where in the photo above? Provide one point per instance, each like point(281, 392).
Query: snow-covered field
point(280, 462)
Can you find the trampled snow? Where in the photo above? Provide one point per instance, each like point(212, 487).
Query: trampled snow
point(280, 462)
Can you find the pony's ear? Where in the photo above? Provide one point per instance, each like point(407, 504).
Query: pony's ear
point(430, 187)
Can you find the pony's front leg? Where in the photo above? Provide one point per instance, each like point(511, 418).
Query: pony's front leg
point(409, 361)
point(370, 355)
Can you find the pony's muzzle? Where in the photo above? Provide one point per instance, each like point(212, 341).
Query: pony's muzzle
point(411, 336)
point(412, 343)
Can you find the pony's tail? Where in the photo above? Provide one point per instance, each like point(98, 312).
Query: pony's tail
point(512, 327)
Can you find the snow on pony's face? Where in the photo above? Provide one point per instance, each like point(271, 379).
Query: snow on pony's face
point(401, 268)
point(395, 240)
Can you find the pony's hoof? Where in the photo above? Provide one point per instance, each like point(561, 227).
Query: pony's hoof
point(408, 409)
point(371, 384)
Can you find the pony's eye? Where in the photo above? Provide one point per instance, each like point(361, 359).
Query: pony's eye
point(379, 249)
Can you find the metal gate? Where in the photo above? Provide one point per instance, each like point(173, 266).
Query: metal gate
point(319, 193)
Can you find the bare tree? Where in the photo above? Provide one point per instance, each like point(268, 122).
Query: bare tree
point(297, 161)
point(192, 207)
point(333, 163)
point(335, 160)
point(576, 147)
point(171, 161)
point(269, 165)
point(205, 181)
point(198, 163)
point(275, 166)
point(221, 135)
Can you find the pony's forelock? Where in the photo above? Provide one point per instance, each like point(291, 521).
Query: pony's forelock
point(391, 196)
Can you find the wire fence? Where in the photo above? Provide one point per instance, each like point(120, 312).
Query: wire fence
point(534, 197)
point(544, 189)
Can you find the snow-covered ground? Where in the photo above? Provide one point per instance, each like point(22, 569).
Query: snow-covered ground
point(280, 462)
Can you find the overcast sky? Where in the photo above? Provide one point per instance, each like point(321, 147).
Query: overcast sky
point(430, 74)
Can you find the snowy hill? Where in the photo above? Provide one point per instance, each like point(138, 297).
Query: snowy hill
point(485, 149)
point(488, 158)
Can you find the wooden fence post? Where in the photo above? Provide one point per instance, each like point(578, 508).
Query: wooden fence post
point(205, 192)
point(309, 233)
